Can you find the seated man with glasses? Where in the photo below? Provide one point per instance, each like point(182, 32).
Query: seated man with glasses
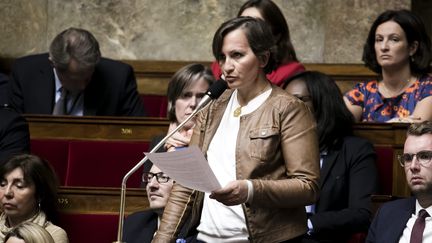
point(408, 220)
point(141, 226)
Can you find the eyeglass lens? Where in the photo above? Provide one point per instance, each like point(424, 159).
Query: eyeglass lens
point(423, 157)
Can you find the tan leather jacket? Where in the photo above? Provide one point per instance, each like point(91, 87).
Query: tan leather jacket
point(277, 149)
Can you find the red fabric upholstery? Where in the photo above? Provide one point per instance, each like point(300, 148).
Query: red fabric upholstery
point(55, 151)
point(155, 105)
point(385, 168)
point(103, 163)
point(83, 228)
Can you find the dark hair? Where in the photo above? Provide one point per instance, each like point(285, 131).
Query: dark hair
point(421, 128)
point(274, 17)
point(258, 35)
point(334, 120)
point(183, 79)
point(74, 43)
point(38, 172)
point(414, 31)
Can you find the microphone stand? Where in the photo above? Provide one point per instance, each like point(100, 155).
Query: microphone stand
point(137, 166)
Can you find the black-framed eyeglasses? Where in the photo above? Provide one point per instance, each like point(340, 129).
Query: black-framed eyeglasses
point(160, 177)
point(424, 157)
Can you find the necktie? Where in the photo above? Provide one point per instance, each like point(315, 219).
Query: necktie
point(60, 105)
point(419, 225)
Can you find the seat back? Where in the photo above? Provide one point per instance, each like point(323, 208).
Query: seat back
point(83, 228)
point(103, 163)
point(56, 152)
point(385, 168)
point(155, 105)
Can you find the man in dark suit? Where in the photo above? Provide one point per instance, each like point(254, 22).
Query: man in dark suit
point(73, 79)
point(14, 134)
point(400, 220)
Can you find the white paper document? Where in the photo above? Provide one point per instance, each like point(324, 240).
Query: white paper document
point(188, 167)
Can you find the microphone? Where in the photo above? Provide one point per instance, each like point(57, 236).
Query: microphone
point(214, 91)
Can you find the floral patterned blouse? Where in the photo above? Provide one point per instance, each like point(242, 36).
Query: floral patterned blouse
point(377, 108)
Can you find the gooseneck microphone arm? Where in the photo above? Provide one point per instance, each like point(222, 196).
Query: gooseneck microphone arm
point(213, 93)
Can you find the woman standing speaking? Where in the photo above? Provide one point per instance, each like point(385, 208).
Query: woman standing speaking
point(261, 144)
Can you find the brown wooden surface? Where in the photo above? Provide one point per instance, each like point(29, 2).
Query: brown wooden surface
point(153, 76)
point(100, 200)
point(96, 128)
point(144, 129)
point(107, 200)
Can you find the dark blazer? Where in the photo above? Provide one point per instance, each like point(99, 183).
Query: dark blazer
point(348, 178)
point(14, 134)
point(140, 227)
point(112, 90)
point(4, 86)
point(390, 221)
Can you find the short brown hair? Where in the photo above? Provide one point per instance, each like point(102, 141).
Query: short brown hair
point(421, 128)
point(257, 33)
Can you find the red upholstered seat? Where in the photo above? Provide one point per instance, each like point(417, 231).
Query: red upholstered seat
point(155, 105)
point(86, 228)
point(385, 168)
point(103, 163)
point(55, 151)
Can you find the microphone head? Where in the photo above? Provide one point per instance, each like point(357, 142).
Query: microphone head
point(216, 89)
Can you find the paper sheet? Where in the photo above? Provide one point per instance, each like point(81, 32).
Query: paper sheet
point(188, 167)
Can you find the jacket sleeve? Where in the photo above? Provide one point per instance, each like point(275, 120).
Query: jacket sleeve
point(14, 135)
point(15, 94)
point(180, 202)
point(299, 146)
point(175, 214)
point(132, 104)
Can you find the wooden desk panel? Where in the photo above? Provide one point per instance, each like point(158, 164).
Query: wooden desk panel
point(94, 200)
point(96, 128)
point(153, 76)
point(144, 129)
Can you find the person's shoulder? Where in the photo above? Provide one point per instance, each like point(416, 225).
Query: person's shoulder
point(110, 63)
point(285, 103)
point(425, 80)
point(398, 204)
point(57, 233)
point(279, 94)
point(36, 58)
point(3, 78)
point(141, 216)
point(354, 140)
point(6, 111)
